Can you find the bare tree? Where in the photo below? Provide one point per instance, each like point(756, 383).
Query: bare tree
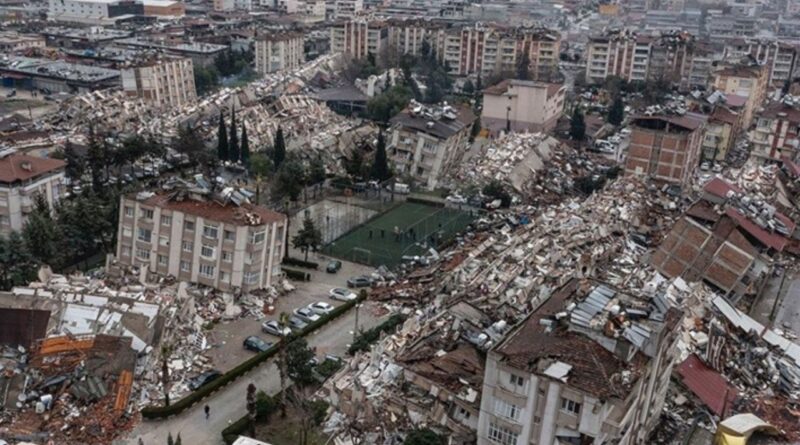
point(251, 407)
point(166, 352)
point(282, 372)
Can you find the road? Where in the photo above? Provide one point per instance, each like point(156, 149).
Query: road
point(228, 405)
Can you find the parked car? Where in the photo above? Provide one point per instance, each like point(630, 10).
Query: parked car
point(359, 281)
point(274, 328)
point(333, 266)
point(342, 294)
point(321, 308)
point(297, 324)
point(456, 199)
point(12, 93)
point(256, 344)
point(203, 379)
point(306, 314)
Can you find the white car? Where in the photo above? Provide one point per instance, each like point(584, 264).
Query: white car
point(457, 199)
point(321, 308)
point(342, 294)
point(274, 328)
point(306, 314)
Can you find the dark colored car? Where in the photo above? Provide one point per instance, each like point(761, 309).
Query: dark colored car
point(256, 344)
point(333, 266)
point(203, 379)
point(296, 324)
point(359, 281)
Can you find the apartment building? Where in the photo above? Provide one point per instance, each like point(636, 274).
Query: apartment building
point(487, 50)
point(775, 134)
point(591, 365)
point(312, 10)
point(164, 8)
point(165, 82)
point(358, 38)
point(721, 131)
point(347, 9)
point(522, 105)
point(779, 57)
point(224, 5)
point(200, 238)
point(22, 177)
point(667, 147)
point(748, 81)
point(12, 41)
point(427, 142)
point(406, 36)
point(92, 11)
point(721, 25)
point(279, 52)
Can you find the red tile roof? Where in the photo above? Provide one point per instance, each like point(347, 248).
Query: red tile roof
point(773, 240)
point(21, 167)
point(708, 385)
point(213, 210)
point(720, 187)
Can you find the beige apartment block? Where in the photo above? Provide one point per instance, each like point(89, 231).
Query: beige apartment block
point(591, 365)
point(523, 105)
point(165, 82)
point(22, 177)
point(279, 52)
point(225, 246)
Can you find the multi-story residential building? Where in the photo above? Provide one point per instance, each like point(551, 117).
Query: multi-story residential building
point(775, 134)
point(779, 57)
point(427, 142)
point(358, 38)
point(485, 50)
point(667, 147)
point(164, 8)
point(22, 177)
point(591, 365)
point(92, 11)
point(224, 5)
point(166, 82)
point(722, 25)
point(788, 28)
point(347, 9)
point(721, 131)
point(522, 105)
point(748, 81)
point(312, 10)
point(406, 36)
point(201, 239)
point(279, 52)
point(292, 7)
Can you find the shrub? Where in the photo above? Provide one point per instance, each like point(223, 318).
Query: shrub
point(368, 337)
point(297, 275)
point(289, 261)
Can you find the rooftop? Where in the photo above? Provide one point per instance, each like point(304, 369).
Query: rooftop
point(441, 121)
point(503, 86)
point(597, 338)
point(57, 69)
point(21, 167)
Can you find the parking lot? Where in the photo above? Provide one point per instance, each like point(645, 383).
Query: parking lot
point(228, 337)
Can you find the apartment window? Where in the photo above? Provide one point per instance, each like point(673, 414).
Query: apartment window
point(516, 380)
point(251, 277)
point(225, 277)
point(185, 266)
point(537, 420)
point(142, 254)
point(257, 237)
point(144, 235)
point(570, 406)
point(210, 232)
point(207, 270)
point(126, 251)
point(187, 246)
point(166, 220)
point(503, 436)
point(163, 240)
point(189, 226)
point(129, 211)
point(207, 251)
point(229, 235)
point(505, 409)
point(463, 413)
point(227, 256)
point(162, 260)
point(127, 232)
point(147, 214)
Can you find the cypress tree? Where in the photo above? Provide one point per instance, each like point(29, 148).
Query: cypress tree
point(279, 149)
point(222, 140)
point(245, 158)
point(233, 144)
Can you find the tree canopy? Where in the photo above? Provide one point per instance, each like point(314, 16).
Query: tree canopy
point(380, 167)
point(308, 237)
point(577, 125)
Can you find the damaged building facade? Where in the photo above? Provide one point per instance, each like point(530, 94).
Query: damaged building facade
point(215, 239)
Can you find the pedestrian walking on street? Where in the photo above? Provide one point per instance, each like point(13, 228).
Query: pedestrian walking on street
point(207, 410)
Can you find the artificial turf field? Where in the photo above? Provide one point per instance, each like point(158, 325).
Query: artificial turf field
point(408, 229)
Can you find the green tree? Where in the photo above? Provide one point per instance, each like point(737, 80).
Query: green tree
point(222, 140)
point(261, 165)
point(524, 67)
point(76, 165)
point(245, 152)
point(497, 190)
point(384, 106)
point(380, 167)
point(17, 266)
point(476, 130)
point(616, 113)
point(233, 144)
point(577, 125)
point(298, 362)
point(290, 179)
point(307, 238)
point(316, 171)
point(278, 149)
point(468, 88)
point(170, 441)
point(423, 436)
point(354, 165)
point(40, 232)
point(189, 144)
point(206, 79)
point(252, 408)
